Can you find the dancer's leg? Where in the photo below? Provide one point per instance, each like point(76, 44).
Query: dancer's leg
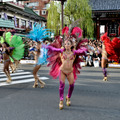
point(6, 70)
point(103, 64)
point(35, 70)
point(61, 88)
point(70, 78)
point(16, 64)
point(12, 67)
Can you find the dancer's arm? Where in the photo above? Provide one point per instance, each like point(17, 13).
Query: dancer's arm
point(53, 48)
point(10, 48)
point(80, 51)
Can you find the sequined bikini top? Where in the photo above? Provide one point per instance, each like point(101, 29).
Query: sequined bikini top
point(64, 56)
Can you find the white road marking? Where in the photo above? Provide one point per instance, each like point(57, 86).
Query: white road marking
point(21, 73)
point(10, 71)
point(18, 77)
point(21, 81)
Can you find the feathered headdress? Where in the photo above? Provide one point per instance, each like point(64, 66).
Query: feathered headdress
point(75, 33)
point(38, 33)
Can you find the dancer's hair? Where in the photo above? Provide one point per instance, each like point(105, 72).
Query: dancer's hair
point(38, 42)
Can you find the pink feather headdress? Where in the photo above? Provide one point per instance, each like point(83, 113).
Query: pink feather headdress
point(74, 34)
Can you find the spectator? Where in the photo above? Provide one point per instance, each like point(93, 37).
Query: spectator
point(88, 60)
point(96, 59)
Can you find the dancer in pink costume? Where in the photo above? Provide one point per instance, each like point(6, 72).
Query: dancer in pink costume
point(65, 62)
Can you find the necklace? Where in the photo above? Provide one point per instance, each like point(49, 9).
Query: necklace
point(68, 52)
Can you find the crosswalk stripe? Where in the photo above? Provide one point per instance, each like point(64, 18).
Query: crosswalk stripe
point(21, 81)
point(12, 74)
point(18, 77)
point(10, 71)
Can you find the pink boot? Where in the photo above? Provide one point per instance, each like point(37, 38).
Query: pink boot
point(71, 88)
point(61, 93)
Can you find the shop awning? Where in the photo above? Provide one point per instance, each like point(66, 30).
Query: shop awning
point(21, 35)
point(6, 23)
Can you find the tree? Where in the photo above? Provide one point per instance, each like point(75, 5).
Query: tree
point(53, 19)
point(80, 13)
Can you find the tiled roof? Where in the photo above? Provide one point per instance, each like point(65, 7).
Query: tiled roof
point(26, 10)
point(105, 4)
point(30, 11)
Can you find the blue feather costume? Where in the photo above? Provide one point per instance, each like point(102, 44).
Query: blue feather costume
point(39, 34)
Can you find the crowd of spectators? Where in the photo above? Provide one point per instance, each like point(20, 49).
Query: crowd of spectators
point(94, 53)
point(93, 57)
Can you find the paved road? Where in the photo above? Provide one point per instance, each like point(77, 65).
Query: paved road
point(92, 98)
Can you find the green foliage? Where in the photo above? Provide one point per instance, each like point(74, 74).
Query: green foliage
point(53, 19)
point(76, 13)
point(80, 11)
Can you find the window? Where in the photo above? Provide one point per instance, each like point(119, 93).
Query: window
point(102, 29)
point(10, 18)
point(37, 12)
point(32, 4)
point(46, 6)
point(45, 0)
point(43, 12)
point(113, 29)
point(23, 23)
point(17, 20)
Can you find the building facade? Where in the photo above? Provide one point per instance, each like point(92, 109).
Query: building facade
point(106, 17)
point(39, 6)
point(18, 18)
point(105, 14)
point(20, 2)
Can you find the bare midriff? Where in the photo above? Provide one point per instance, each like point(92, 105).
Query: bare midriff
point(67, 62)
point(104, 53)
point(5, 56)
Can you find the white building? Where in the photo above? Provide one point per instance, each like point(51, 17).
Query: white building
point(20, 2)
point(16, 17)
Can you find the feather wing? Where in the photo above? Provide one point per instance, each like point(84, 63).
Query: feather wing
point(18, 45)
point(116, 45)
point(110, 47)
point(76, 64)
point(54, 58)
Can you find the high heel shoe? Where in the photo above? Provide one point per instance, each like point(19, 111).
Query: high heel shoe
point(9, 80)
point(35, 84)
point(68, 102)
point(42, 84)
point(105, 79)
point(61, 105)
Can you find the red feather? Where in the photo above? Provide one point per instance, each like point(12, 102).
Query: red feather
point(112, 47)
point(76, 64)
point(77, 30)
point(65, 30)
point(54, 58)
